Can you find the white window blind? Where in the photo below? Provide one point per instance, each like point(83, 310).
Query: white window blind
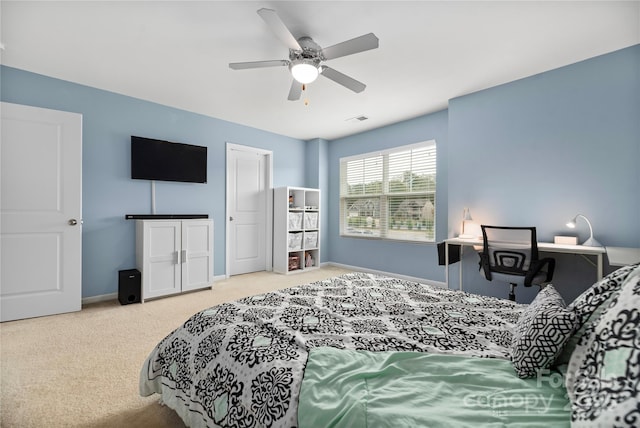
point(390, 194)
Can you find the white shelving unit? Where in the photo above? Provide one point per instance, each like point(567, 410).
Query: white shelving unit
point(296, 229)
point(174, 256)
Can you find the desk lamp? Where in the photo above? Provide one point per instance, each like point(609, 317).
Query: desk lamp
point(470, 230)
point(591, 242)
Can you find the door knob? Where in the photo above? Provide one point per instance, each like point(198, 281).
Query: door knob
point(73, 222)
point(230, 218)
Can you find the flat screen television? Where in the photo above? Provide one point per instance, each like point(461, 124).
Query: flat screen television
point(166, 161)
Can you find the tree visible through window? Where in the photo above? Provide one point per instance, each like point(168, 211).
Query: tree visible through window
point(390, 194)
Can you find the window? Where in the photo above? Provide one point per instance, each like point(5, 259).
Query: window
point(390, 194)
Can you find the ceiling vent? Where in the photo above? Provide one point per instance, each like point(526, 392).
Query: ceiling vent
point(357, 119)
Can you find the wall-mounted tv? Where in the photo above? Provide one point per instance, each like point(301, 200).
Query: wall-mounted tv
point(166, 161)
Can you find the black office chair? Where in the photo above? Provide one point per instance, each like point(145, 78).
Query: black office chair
point(510, 254)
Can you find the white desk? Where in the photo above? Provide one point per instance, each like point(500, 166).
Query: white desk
point(621, 256)
point(542, 247)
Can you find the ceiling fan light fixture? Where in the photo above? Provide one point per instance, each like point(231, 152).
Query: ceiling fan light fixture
point(304, 71)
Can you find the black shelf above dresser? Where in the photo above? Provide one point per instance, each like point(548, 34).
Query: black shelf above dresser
point(165, 216)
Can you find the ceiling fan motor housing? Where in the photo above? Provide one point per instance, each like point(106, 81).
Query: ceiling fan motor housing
point(310, 53)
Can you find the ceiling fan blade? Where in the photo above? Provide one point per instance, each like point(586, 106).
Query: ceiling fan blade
point(295, 91)
point(258, 64)
point(279, 29)
point(342, 79)
point(349, 47)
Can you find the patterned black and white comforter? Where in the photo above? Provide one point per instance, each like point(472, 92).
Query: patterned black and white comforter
point(241, 364)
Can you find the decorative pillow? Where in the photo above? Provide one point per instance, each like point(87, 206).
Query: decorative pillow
point(604, 380)
point(589, 305)
point(540, 333)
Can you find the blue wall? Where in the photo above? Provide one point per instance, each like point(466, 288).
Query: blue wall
point(316, 176)
point(536, 151)
point(108, 192)
point(540, 150)
point(412, 259)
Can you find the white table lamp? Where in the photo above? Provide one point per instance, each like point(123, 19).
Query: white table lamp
point(470, 229)
point(591, 242)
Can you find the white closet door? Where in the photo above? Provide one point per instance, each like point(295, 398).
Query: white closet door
point(246, 207)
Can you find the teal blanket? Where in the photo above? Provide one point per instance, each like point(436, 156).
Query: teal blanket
point(346, 388)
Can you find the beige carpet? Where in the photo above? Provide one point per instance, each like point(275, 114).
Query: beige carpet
point(81, 369)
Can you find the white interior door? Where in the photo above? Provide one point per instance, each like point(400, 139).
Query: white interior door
point(41, 212)
point(248, 220)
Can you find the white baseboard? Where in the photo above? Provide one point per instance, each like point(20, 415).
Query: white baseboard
point(392, 274)
point(114, 296)
point(100, 298)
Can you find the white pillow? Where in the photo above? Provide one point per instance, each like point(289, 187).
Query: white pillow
point(589, 305)
point(603, 378)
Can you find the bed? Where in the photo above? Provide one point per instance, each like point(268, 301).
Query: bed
point(362, 350)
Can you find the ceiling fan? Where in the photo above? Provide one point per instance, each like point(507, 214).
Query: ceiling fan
point(305, 56)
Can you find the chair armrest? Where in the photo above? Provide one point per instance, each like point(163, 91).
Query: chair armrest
point(537, 267)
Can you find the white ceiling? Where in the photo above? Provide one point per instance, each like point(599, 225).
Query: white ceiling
point(176, 53)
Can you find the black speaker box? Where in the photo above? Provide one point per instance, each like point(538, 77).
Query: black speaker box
point(129, 286)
